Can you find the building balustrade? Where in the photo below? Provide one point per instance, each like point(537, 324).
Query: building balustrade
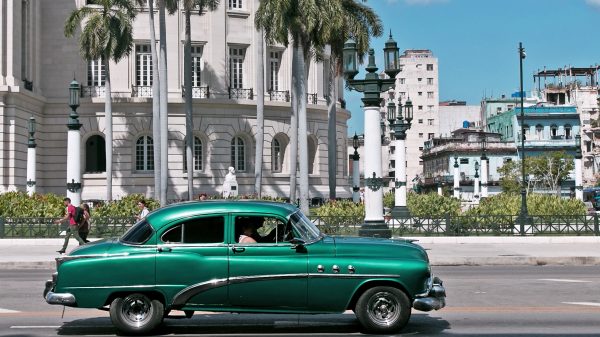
point(141, 91)
point(93, 91)
point(280, 96)
point(312, 98)
point(240, 93)
point(197, 92)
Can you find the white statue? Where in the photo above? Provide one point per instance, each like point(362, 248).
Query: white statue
point(230, 186)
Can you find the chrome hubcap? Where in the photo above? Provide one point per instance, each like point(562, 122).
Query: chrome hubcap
point(383, 308)
point(136, 309)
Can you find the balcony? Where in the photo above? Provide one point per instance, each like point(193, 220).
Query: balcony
point(197, 92)
point(141, 91)
point(240, 93)
point(312, 98)
point(279, 96)
point(93, 91)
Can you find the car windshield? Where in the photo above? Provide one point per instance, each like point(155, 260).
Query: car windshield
point(138, 234)
point(307, 230)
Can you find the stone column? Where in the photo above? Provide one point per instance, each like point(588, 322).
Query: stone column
point(484, 176)
point(456, 179)
point(373, 194)
point(31, 157)
point(439, 189)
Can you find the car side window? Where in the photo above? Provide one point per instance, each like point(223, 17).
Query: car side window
point(198, 230)
point(263, 229)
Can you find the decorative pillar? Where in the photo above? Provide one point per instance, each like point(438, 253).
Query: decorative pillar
point(476, 182)
point(440, 191)
point(399, 124)
point(74, 147)
point(578, 171)
point(31, 157)
point(355, 171)
point(484, 176)
point(374, 184)
point(456, 178)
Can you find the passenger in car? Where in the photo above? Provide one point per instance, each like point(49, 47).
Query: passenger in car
point(248, 231)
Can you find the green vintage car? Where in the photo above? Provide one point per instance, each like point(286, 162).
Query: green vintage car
point(189, 257)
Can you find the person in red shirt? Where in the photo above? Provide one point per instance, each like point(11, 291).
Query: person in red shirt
point(73, 225)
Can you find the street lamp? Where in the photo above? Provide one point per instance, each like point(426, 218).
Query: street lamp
point(456, 178)
point(524, 216)
point(476, 182)
point(398, 126)
point(372, 87)
point(355, 170)
point(484, 164)
point(74, 146)
point(578, 173)
point(31, 156)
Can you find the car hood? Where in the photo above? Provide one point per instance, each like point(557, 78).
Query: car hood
point(381, 248)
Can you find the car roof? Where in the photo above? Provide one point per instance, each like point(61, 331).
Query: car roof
point(172, 212)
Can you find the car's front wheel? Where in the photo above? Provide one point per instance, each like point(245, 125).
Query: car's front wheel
point(383, 310)
point(136, 314)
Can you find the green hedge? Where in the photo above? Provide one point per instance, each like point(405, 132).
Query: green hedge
point(537, 204)
point(19, 204)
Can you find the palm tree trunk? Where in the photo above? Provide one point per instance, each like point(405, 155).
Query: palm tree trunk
point(155, 102)
point(108, 128)
point(303, 129)
point(260, 114)
point(294, 122)
point(331, 129)
point(164, 117)
point(187, 73)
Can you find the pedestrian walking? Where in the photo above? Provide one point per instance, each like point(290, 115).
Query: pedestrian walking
point(84, 227)
point(143, 210)
point(70, 215)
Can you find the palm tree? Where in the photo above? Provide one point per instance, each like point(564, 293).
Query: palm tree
point(360, 22)
point(201, 6)
point(309, 23)
point(155, 97)
point(163, 6)
point(107, 34)
point(260, 113)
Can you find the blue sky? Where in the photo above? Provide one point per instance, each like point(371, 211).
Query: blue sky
point(476, 42)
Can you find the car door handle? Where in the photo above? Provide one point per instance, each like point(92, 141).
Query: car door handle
point(238, 249)
point(164, 249)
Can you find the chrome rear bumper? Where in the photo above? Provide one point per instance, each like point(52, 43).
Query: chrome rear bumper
point(435, 299)
point(57, 298)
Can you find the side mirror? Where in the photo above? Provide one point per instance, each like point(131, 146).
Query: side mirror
point(297, 243)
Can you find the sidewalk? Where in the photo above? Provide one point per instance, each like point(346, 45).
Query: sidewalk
point(443, 251)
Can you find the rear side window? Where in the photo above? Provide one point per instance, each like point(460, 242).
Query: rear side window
point(199, 230)
point(138, 234)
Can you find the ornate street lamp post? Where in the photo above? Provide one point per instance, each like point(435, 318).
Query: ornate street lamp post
point(372, 86)
point(74, 146)
point(578, 173)
point(398, 126)
point(31, 157)
point(456, 178)
point(484, 165)
point(355, 170)
point(476, 181)
point(524, 216)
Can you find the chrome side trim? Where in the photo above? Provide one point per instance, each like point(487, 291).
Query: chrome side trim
point(60, 298)
point(181, 298)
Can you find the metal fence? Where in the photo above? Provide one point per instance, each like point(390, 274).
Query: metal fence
point(482, 225)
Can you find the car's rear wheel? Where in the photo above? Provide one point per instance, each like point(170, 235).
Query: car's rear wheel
point(136, 314)
point(383, 310)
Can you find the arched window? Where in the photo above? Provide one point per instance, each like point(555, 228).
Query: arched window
point(568, 129)
point(238, 154)
point(553, 130)
point(276, 157)
point(526, 131)
point(95, 154)
point(539, 132)
point(144, 154)
point(197, 153)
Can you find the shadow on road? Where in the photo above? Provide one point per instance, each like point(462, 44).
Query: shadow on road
point(221, 324)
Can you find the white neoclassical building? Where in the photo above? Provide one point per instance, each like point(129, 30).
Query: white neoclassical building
point(37, 63)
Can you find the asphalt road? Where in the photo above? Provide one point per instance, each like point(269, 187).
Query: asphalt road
point(482, 301)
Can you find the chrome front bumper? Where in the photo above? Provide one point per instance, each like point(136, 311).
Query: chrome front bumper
point(435, 299)
point(57, 298)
